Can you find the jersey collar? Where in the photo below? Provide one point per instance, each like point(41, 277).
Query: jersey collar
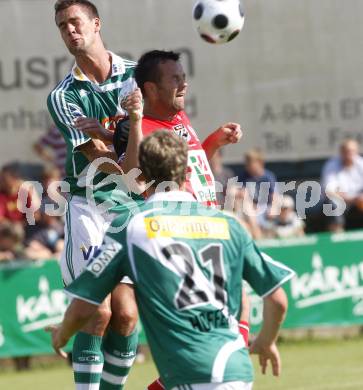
point(172, 196)
point(118, 68)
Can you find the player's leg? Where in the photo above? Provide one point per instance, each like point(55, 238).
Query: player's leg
point(120, 342)
point(83, 236)
point(87, 355)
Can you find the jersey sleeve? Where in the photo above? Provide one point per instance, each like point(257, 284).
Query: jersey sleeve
point(64, 112)
point(102, 273)
point(263, 273)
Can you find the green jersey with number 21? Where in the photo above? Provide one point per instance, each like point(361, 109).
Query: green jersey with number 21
point(187, 263)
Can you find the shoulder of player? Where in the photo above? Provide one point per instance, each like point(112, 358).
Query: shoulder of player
point(235, 222)
point(129, 64)
point(62, 90)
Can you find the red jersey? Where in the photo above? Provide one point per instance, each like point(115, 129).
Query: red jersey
point(9, 208)
point(200, 180)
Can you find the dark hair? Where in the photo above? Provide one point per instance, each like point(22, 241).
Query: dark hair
point(147, 66)
point(163, 157)
point(12, 169)
point(13, 231)
point(60, 5)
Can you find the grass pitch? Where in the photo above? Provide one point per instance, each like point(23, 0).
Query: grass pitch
point(308, 365)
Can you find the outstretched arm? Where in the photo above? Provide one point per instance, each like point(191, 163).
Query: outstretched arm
point(230, 133)
point(77, 315)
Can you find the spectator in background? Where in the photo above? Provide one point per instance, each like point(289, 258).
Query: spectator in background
point(342, 177)
point(286, 224)
point(221, 176)
point(11, 241)
point(259, 182)
point(10, 182)
point(236, 197)
point(44, 240)
point(52, 148)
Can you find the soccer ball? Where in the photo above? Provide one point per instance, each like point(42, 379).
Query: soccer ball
point(218, 21)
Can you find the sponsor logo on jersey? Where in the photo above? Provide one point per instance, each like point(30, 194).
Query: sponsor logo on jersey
point(198, 165)
point(107, 252)
point(91, 251)
point(182, 132)
point(187, 227)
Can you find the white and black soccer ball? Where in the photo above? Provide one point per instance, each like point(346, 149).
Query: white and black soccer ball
point(218, 21)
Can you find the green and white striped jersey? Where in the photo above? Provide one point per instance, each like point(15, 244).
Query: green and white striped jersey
point(77, 96)
point(187, 263)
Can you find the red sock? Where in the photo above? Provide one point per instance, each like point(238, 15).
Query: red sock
point(157, 385)
point(244, 329)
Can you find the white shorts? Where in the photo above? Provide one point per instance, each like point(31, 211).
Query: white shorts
point(217, 386)
point(84, 231)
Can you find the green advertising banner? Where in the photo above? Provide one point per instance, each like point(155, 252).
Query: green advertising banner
point(31, 297)
point(327, 290)
point(328, 287)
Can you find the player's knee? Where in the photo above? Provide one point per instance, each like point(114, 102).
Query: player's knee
point(124, 320)
point(99, 322)
point(104, 315)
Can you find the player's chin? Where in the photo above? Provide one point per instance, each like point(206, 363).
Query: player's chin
point(179, 103)
point(75, 49)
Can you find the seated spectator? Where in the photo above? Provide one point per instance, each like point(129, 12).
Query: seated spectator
point(11, 241)
point(259, 182)
point(10, 182)
point(342, 177)
point(245, 210)
point(44, 240)
point(51, 147)
point(286, 224)
point(221, 176)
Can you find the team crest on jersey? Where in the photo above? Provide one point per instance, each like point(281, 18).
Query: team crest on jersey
point(182, 132)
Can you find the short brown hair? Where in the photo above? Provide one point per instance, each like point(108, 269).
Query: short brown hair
point(163, 157)
point(61, 5)
point(255, 154)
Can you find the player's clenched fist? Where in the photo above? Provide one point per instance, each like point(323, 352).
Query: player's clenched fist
point(133, 104)
point(229, 133)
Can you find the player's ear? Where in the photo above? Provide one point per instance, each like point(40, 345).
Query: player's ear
point(151, 90)
point(97, 25)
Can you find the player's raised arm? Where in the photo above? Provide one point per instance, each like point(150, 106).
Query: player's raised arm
point(66, 113)
point(229, 133)
point(134, 106)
